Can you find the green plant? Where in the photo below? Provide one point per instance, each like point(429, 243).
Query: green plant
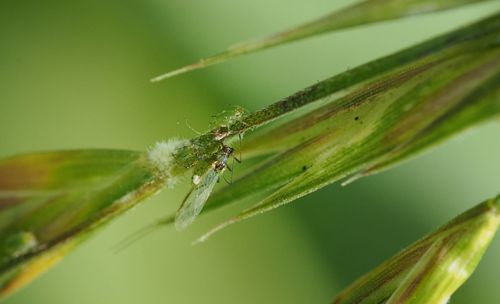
point(431, 269)
point(351, 125)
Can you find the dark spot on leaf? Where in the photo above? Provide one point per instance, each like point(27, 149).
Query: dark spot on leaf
point(304, 168)
point(356, 118)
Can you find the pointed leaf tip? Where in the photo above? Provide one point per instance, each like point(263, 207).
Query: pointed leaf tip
point(358, 14)
point(178, 71)
point(433, 268)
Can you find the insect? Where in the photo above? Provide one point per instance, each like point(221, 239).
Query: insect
point(203, 186)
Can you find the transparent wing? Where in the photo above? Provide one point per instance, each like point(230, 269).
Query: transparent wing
point(195, 200)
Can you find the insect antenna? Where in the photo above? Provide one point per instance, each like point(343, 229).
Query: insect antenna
point(239, 135)
point(191, 128)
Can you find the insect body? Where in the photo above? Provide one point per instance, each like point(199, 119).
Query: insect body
point(203, 186)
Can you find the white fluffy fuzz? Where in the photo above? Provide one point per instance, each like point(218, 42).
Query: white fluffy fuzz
point(161, 156)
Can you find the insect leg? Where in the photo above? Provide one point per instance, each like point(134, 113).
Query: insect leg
point(239, 135)
point(232, 171)
point(191, 128)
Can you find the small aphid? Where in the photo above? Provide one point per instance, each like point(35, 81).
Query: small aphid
point(198, 196)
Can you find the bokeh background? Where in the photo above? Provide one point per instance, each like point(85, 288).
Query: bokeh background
point(74, 74)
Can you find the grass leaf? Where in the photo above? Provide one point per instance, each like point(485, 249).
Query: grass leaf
point(431, 269)
point(359, 122)
point(350, 125)
point(364, 12)
point(376, 124)
point(49, 201)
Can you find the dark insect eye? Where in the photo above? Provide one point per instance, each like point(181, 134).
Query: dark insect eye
point(227, 149)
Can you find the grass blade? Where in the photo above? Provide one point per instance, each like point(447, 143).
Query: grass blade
point(365, 12)
point(50, 201)
point(431, 269)
point(353, 124)
point(388, 110)
point(396, 117)
point(476, 36)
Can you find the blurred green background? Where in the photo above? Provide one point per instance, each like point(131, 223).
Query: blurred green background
point(74, 74)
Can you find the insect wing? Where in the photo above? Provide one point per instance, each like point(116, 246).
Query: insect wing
point(195, 200)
